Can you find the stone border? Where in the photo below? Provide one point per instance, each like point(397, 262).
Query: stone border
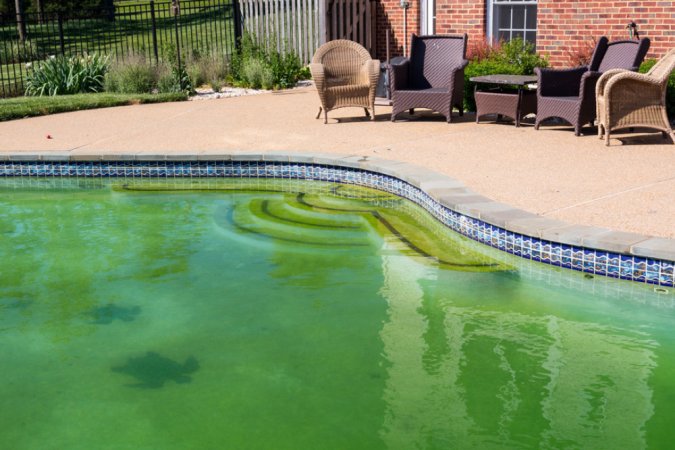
point(443, 189)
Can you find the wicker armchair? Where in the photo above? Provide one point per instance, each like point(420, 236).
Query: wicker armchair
point(345, 76)
point(433, 76)
point(570, 93)
point(627, 99)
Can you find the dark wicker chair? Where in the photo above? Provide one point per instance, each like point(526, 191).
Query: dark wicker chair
point(570, 93)
point(433, 76)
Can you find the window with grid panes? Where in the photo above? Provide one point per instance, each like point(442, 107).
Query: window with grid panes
point(513, 18)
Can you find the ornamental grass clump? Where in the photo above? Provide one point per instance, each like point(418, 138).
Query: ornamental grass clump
point(137, 74)
point(206, 68)
point(79, 74)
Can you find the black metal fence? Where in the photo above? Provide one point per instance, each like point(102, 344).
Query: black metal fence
point(151, 29)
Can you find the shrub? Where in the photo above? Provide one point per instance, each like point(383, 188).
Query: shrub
point(64, 76)
point(515, 57)
point(132, 75)
point(480, 49)
point(520, 54)
point(581, 53)
point(207, 69)
point(19, 52)
point(670, 90)
point(269, 67)
point(136, 74)
point(478, 69)
point(257, 75)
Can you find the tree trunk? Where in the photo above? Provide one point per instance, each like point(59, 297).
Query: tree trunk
point(20, 20)
point(110, 10)
point(39, 10)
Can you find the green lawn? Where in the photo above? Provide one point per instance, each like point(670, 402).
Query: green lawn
point(20, 107)
point(202, 26)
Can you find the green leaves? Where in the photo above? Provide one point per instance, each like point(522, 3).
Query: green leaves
point(260, 64)
point(516, 57)
point(66, 76)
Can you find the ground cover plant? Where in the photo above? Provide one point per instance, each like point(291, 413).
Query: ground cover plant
point(261, 64)
point(516, 57)
point(20, 107)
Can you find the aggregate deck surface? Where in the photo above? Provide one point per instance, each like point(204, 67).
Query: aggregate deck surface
point(629, 186)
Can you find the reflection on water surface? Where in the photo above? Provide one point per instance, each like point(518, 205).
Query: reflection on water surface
point(284, 314)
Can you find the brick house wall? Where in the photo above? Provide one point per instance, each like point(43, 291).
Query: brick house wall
point(562, 25)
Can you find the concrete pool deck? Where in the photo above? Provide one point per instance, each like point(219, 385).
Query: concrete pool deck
point(629, 186)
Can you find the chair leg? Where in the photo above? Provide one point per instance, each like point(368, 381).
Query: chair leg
point(600, 131)
point(325, 116)
point(577, 130)
point(461, 112)
point(672, 136)
point(499, 117)
point(319, 113)
point(536, 124)
point(372, 115)
point(412, 111)
point(367, 113)
point(607, 138)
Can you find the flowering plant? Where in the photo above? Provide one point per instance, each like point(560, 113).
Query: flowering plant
point(63, 76)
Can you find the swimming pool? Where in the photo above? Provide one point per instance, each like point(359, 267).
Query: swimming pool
point(263, 313)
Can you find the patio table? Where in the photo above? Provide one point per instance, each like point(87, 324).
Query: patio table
point(514, 103)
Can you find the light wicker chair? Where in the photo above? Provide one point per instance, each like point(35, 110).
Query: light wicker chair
point(345, 76)
point(628, 99)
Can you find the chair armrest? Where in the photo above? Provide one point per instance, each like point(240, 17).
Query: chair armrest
point(589, 81)
point(318, 75)
point(627, 75)
point(602, 82)
point(559, 82)
point(398, 75)
point(372, 72)
point(453, 76)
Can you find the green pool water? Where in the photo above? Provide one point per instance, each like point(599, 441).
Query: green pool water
point(270, 314)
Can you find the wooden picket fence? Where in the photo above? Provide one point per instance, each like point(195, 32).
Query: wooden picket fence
point(294, 24)
point(304, 25)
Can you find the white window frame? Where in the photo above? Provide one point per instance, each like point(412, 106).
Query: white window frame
point(492, 6)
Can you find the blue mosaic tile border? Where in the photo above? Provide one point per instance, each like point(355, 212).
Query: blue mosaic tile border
point(613, 265)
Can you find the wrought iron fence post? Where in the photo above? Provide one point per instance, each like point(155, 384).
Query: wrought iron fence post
point(175, 7)
point(154, 30)
point(237, 25)
point(59, 15)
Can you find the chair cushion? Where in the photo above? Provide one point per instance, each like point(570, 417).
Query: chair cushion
point(574, 99)
point(348, 90)
point(426, 91)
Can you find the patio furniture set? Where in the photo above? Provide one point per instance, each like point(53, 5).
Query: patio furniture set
point(608, 90)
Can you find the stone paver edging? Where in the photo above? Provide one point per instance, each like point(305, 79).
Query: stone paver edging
point(444, 190)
